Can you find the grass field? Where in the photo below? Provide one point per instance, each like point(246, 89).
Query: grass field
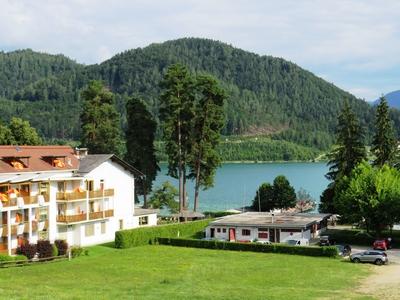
point(163, 272)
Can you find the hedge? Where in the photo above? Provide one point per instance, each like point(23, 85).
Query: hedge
point(148, 235)
point(357, 237)
point(254, 247)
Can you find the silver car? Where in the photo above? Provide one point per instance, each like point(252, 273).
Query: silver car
point(371, 256)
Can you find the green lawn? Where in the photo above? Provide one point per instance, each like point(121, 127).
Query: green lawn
point(163, 272)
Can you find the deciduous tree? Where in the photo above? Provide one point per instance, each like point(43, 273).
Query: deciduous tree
point(22, 133)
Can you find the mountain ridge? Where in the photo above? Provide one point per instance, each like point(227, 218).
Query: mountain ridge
point(269, 93)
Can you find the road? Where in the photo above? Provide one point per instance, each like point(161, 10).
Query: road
point(384, 282)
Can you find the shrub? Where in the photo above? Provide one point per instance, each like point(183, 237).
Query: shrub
point(44, 249)
point(62, 246)
point(76, 251)
point(5, 257)
point(28, 250)
point(254, 247)
point(54, 250)
point(148, 235)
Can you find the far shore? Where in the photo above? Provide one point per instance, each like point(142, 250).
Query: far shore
point(266, 161)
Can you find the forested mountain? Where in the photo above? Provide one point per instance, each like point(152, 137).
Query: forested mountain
point(393, 99)
point(267, 95)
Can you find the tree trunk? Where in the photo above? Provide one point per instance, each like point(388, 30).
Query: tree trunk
point(197, 187)
point(144, 193)
point(184, 204)
point(180, 167)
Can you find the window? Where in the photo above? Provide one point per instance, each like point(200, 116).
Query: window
point(218, 229)
point(290, 230)
point(61, 186)
point(262, 235)
point(43, 188)
point(121, 224)
point(143, 220)
point(102, 184)
point(90, 185)
point(103, 227)
point(224, 230)
point(89, 230)
point(245, 232)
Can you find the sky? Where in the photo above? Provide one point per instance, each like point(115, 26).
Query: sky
point(353, 44)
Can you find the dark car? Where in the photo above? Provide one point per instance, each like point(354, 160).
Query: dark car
point(344, 250)
point(325, 240)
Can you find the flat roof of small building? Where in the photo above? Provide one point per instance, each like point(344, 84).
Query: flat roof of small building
point(266, 219)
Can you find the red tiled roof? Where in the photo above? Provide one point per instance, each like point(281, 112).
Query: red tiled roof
point(37, 158)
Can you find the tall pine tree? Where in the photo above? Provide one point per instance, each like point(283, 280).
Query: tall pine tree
point(347, 154)
point(140, 135)
point(384, 144)
point(101, 131)
point(176, 115)
point(207, 125)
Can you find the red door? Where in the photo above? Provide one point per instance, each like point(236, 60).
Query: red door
point(232, 234)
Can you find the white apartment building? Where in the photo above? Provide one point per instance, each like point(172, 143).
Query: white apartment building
point(56, 192)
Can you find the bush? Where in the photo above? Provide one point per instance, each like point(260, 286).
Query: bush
point(76, 251)
point(357, 237)
point(28, 250)
point(148, 235)
point(62, 246)
point(44, 249)
point(254, 247)
point(5, 257)
point(54, 250)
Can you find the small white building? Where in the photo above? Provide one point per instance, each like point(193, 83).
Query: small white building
point(264, 226)
point(56, 192)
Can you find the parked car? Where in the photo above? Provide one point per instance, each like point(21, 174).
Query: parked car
point(344, 250)
point(298, 242)
point(381, 245)
point(371, 256)
point(325, 240)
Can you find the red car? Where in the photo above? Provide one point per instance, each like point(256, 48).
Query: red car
point(380, 245)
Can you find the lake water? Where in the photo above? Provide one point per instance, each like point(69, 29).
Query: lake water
point(235, 185)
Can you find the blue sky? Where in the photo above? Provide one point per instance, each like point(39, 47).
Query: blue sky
point(353, 44)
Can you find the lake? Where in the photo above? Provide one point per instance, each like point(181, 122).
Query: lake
point(236, 184)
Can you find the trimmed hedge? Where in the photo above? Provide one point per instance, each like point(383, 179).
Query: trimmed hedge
point(357, 237)
point(254, 247)
point(148, 235)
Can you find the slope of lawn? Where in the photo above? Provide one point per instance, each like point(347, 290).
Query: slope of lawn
point(163, 272)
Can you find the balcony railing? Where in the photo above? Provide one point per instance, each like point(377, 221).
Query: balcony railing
point(39, 225)
point(71, 218)
point(20, 228)
point(71, 196)
point(26, 200)
point(82, 217)
point(101, 214)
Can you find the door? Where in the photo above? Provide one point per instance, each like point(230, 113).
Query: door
point(232, 234)
point(277, 235)
point(212, 232)
point(272, 235)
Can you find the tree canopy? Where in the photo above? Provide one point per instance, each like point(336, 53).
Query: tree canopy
point(100, 120)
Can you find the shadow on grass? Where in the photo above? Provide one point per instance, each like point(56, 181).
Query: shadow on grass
point(108, 245)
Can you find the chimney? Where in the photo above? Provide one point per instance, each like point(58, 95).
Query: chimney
point(81, 152)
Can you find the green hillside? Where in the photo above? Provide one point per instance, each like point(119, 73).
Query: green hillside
point(267, 95)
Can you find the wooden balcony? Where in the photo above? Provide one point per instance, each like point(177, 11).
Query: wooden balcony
point(71, 196)
point(39, 225)
point(3, 230)
point(71, 218)
point(74, 196)
point(27, 200)
point(17, 229)
point(101, 214)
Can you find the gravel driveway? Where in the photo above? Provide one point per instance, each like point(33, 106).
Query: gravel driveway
point(384, 282)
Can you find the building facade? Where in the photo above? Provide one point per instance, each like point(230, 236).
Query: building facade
point(56, 192)
point(267, 227)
